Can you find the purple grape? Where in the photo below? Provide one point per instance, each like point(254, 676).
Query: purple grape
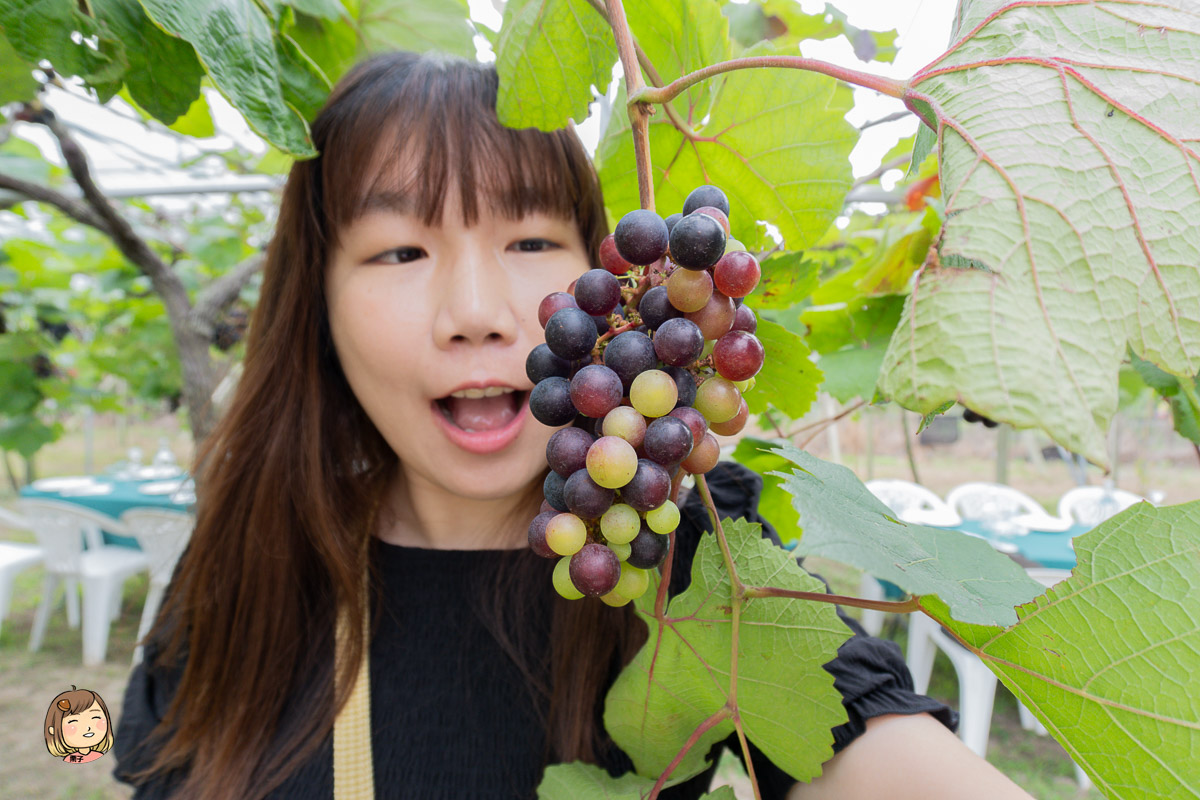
point(655, 307)
point(584, 497)
point(596, 390)
point(550, 402)
point(706, 195)
point(678, 342)
point(537, 534)
point(587, 424)
point(641, 237)
point(597, 292)
point(668, 440)
point(552, 302)
point(570, 333)
point(541, 363)
point(566, 452)
point(595, 569)
point(697, 242)
point(695, 421)
point(684, 383)
point(648, 549)
point(552, 489)
point(649, 488)
point(671, 220)
point(744, 319)
point(630, 354)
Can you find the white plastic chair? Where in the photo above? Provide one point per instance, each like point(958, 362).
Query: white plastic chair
point(15, 557)
point(995, 501)
point(910, 502)
point(163, 534)
point(976, 683)
point(1091, 505)
point(101, 569)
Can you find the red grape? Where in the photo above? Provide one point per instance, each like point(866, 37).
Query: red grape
point(738, 355)
point(715, 319)
point(595, 569)
point(552, 302)
point(736, 274)
point(610, 259)
point(596, 390)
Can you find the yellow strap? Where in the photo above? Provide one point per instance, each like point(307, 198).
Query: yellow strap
point(353, 769)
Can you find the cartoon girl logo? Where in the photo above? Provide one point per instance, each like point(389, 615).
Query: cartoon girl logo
point(77, 727)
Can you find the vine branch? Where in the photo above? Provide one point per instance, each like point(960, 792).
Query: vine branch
point(639, 112)
point(665, 94)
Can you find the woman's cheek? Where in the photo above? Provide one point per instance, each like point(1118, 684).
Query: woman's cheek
point(70, 729)
point(101, 726)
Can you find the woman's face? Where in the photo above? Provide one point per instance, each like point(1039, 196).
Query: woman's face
point(432, 326)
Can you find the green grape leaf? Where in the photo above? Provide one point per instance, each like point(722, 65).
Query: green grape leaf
point(197, 121)
point(324, 9)
point(788, 379)
point(932, 415)
point(785, 24)
point(579, 781)
point(41, 29)
point(163, 75)
point(681, 677)
point(681, 36)
point(1067, 137)
point(235, 42)
point(842, 520)
point(304, 86)
point(17, 83)
point(387, 25)
point(786, 280)
point(333, 46)
point(1184, 410)
point(549, 55)
point(1108, 658)
point(775, 141)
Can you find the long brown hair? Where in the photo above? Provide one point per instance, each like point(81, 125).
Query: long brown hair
point(290, 480)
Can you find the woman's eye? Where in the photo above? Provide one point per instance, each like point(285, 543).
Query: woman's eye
point(534, 245)
point(402, 255)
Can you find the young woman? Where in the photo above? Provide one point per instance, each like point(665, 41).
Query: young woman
point(380, 437)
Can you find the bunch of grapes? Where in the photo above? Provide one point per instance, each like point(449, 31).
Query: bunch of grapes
point(648, 358)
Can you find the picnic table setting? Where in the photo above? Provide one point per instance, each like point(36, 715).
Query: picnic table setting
point(93, 533)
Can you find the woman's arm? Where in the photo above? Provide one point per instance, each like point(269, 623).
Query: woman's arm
point(908, 756)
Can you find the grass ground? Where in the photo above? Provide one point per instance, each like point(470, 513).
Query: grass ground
point(31, 680)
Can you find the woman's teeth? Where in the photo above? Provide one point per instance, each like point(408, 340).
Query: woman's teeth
point(476, 394)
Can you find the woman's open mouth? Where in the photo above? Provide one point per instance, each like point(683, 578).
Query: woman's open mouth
point(89, 734)
point(482, 420)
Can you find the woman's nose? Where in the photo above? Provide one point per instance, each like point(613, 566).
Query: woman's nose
point(476, 305)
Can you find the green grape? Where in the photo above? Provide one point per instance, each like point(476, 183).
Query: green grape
point(633, 582)
point(614, 599)
point(732, 245)
point(622, 550)
point(654, 393)
point(663, 519)
point(566, 533)
point(625, 422)
point(745, 386)
point(562, 580)
point(709, 345)
point(718, 399)
point(612, 461)
point(620, 524)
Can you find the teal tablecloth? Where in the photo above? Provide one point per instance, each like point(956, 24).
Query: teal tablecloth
point(124, 496)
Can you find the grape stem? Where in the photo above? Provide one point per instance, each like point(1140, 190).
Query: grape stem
point(665, 94)
point(721, 714)
point(660, 600)
point(822, 424)
point(891, 606)
point(639, 113)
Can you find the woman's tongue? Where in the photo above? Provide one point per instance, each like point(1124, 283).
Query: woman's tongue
point(483, 414)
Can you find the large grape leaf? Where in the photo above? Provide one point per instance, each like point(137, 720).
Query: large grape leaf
point(1108, 659)
point(41, 29)
point(681, 677)
point(774, 139)
point(681, 36)
point(852, 338)
point(387, 25)
point(1185, 410)
point(549, 55)
point(786, 280)
point(163, 75)
point(16, 74)
point(1068, 152)
point(235, 42)
point(579, 781)
point(842, 520)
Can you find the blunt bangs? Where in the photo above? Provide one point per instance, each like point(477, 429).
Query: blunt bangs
point(427, 124)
